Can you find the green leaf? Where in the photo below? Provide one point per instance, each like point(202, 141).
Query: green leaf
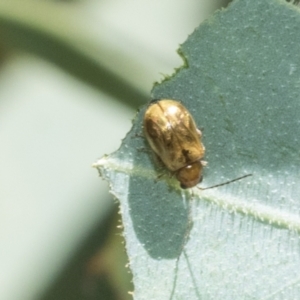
point(241, 83)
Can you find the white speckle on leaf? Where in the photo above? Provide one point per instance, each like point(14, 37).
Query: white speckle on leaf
point(292, 69)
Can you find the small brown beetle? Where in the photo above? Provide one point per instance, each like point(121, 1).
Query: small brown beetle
point(173, 135)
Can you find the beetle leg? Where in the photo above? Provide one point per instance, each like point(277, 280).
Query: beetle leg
point(199, 132)
point(203, 163)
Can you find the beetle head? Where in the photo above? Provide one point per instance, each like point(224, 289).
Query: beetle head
point(190, 175)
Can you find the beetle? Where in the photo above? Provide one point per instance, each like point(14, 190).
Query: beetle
point(173, 135)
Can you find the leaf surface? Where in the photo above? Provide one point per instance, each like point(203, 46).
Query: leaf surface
point(241, 83)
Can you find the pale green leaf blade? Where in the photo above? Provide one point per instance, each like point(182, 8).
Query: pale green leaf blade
point(242, 85)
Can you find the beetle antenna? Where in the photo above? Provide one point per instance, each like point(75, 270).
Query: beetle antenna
point(224, 183)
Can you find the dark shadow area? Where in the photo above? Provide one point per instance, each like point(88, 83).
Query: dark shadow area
point(160, 218)
point(159, 213)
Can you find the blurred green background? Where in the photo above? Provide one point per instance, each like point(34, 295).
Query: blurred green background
point(72, 75)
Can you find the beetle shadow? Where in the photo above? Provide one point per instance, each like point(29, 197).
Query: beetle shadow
point(160, 216)
point(159, 212)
